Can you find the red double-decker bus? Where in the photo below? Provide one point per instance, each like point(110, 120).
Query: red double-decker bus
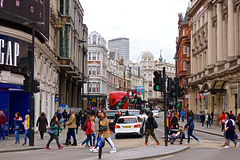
point(118, 100)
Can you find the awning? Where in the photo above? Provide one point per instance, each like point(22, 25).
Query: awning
point(204, 88)
point(218, 86)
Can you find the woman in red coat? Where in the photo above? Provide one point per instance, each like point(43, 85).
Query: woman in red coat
point(222, 119)
point(89, 132)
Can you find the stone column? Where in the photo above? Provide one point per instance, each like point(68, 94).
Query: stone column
point(214, 43)
point(219, 33)
point(236, 31)
point(231, 42)
point(210, 36)
point(224, 39)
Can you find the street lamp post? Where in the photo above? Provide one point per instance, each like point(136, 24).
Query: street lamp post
point(32, 100)
point(84, 53)
point(176, 58)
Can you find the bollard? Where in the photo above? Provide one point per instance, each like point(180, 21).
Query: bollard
point(100, 144)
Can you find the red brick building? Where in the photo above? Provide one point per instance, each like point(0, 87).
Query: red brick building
point(182, 55)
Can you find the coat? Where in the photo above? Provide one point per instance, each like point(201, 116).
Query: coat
point(149, 122)
point(222, 118)
point(72, 122)
point(42, 124)
point(202, 117)
point(89, 128)
point(77, 119)
point(17, 124)
point(56, 128)
point(106, 133)
point(3, 119)
point(190, 123)
point(230, 133)
point(174, 122)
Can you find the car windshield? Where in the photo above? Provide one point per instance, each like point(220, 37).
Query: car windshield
point(127, 120)
point(111, 114)
point(133, 113)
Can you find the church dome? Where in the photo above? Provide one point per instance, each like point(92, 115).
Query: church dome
point(147, 54)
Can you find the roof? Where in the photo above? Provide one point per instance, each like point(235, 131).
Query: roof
point(147, 54)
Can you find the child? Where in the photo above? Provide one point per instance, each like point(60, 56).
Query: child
point(173, 137)
point(26, 124)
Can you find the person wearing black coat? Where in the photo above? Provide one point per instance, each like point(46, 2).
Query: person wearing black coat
point(174, 121)
point(150, 129)
point(42, 124)
point(77, 121)
point(202, 117)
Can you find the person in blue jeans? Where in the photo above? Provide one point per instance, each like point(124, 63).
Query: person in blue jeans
point(208, 119)
point(190, 124)
point(182, 113)
point(17, 126)
point(26, 124)
point(3, 121)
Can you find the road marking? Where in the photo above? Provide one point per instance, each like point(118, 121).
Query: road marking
point(163, 157)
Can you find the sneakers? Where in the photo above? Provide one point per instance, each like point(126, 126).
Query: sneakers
point(94, 150)
point(187, 143)
point(74, 144)
point(158, 143)
point(24, 144)
point(47, 147)
point(224, 144)
point(80, 145)
point(113, 150)
point(237, 145)
point(226, 147)
point(198, 141)
point(145, 144)
point(60, 147)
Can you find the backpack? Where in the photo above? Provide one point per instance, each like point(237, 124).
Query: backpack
point(155, 125)
point(85, 127)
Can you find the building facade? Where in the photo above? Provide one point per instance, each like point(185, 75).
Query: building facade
point(213, 83)
point(148, 66)
point(72, 54)
point(119, 47)
point(182, 56)
point(96, 87)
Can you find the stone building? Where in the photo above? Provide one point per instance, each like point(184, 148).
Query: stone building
point(214, 80)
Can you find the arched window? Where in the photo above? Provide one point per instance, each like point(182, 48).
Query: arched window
point(94, 39)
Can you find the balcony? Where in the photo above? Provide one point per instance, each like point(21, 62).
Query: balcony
point(66, 64)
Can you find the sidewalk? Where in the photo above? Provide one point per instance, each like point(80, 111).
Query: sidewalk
point(215, 130)
point(145, 152)
point(9, 144)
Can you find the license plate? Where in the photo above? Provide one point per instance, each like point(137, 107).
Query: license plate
point(127, 127)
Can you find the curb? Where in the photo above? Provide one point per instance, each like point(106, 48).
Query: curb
point(158, 156)
point(19, 150)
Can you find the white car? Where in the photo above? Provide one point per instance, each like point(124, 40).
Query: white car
point(129, 125)
point(155, 113)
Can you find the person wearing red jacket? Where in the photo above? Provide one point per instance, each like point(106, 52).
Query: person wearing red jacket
point(3, 121)
point(89, 132)
point(222, 119)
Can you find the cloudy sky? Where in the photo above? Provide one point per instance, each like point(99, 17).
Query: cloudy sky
point(149, 24)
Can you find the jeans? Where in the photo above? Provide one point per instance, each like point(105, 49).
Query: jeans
point(94, 138)
point(26, 135)
point(228, 141)
point(182, 118)
point(97, 141)
point(203, 124)
point(89, 138)
point(17, 135)
point(53, 137)
point(190, 131)
point(71, 131)
point(223, 126)
point(208, 123)
point(2, 132)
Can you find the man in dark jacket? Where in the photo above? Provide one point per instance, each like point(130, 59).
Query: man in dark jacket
point(64, 115)
point(2, 125)
point(202, 117)
point(150, 128)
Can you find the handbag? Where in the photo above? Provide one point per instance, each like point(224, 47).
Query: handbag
point(187, 128)
point(84, 127)
point(103, 128)
point(51, 131)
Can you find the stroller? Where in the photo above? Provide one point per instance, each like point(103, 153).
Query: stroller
point(173, 136)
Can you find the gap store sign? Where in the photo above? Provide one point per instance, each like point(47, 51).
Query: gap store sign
point(14, 54)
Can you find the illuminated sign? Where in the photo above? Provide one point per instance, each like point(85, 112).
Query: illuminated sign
point(200, 9)
point(20, 11)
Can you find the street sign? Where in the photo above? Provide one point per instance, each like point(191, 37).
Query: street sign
point(56, 99)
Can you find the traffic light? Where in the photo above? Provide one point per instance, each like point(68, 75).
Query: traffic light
point(157, 80)
point(27, 84)
point(36, 86)
point(135, 98)
point(180, 91)
point(178, 105)
point(89, 100)
point(172, 86)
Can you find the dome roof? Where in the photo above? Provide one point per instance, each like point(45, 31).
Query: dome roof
point(147, 54)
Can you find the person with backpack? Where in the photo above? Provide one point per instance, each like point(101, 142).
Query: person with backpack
point(208, 119)
point(54, 125)
point(151, 124)
point(230, 131)
point(89, 131)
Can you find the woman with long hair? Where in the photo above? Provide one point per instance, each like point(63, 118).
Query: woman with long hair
point(54, 125)
point(26, 125)
point(106, 134)
point(42, 124)
point(174, 121)
point(17, 126)
point(190, 126)
point(89, 132)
